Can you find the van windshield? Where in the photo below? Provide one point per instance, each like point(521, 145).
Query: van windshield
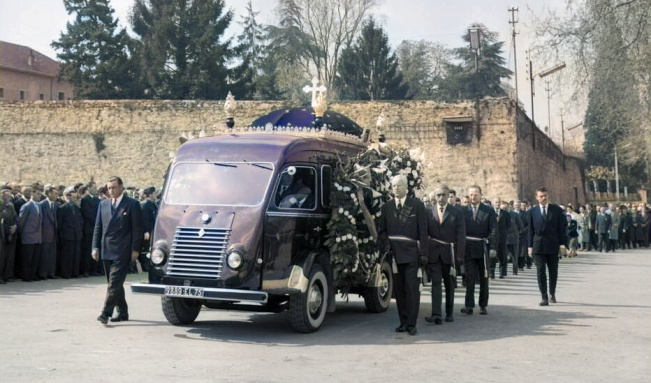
point(219, 183)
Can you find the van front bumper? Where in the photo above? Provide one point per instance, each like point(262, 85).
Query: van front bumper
point(205, 293)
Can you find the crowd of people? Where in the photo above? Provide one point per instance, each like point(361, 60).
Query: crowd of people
point(46, 231)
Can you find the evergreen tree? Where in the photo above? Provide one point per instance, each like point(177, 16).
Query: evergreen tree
point(422, 64)
point(95, 56)
point(477, 75)
point(369, 70)
point(180, 53)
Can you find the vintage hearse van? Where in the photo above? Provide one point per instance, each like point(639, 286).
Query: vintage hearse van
point(242, 225)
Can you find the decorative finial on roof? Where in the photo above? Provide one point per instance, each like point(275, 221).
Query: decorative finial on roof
point(379, 125)
point(229, 107)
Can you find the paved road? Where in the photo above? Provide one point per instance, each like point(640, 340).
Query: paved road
point(599, 331)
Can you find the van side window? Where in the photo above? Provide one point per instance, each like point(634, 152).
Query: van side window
point(326, 185)
point(296, 188)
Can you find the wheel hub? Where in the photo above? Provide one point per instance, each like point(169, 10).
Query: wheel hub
point(315, 299)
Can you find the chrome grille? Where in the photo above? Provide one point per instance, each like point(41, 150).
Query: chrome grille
point(198, 256)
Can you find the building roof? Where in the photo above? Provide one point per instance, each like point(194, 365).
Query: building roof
point(17, 57)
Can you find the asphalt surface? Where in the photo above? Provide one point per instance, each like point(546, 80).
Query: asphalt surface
point(599, 331)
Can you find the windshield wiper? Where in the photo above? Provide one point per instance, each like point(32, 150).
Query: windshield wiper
point(222, 164)
point(257, 165)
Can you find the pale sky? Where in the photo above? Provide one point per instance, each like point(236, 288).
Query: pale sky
point(36, 23)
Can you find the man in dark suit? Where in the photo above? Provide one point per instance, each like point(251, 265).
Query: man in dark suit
point(548, 236)
point(402, 228)
point(30, 228)
point(481, 223)
point(590, 221)
point(49, 247)
point(9, 228)
point(520, 209)
point(149, 213)
point(503, 227)
point(602, 229)
point(117, 235)
point(88, 205)
point(447, 241)
point(70, 224)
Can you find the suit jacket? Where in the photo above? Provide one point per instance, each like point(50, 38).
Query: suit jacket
point(524, 219)
point(70, 222)
point(49, 221)
point(452, 230)
point(503, 225)
point(602, 223)
point(30, 223)
point(9, 218)
point(410, 222)
point(593, 219)
point(514, 230)
point(547, 235)
point(484, 226)
point(149, 212)
point(89, 205)
point(117, 234)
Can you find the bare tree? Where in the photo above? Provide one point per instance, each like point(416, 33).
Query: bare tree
point(330, 25)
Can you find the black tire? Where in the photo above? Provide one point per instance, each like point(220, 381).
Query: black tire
point(180, 311)
point(378, 299)
point(307, 310)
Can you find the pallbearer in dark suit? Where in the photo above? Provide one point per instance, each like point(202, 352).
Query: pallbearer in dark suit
point(481, 222)
point(402, 227)
point(446, 247)
point(503, 227)
point(88, 205)
point(547, 236)
point(117, 235)
point(70, 225)
point(49, 247)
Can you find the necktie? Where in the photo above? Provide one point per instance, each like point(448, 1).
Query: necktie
point(441, 214)
point(113, 206)
point(399, 205)
point(474, 211)
point(544, 211)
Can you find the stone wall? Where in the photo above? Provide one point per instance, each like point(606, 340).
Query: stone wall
point(72, 141)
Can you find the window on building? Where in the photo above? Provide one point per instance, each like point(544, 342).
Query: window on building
point(22, 95)
point(62, 96)
point(41, 96)
point(2, 92)
point(458, 130)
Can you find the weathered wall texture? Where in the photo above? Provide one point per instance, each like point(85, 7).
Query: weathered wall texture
point(67, 142)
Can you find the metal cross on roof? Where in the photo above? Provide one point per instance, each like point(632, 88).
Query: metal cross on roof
point(314, 89)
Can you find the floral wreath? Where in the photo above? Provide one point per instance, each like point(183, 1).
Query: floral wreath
point(361, 186)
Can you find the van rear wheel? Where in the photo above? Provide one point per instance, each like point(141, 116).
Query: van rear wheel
point(378, 298)
point(307, 310)
point(180, 311)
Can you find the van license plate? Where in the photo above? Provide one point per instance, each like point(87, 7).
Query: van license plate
point(184, 291)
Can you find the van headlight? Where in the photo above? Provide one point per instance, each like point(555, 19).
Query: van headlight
point(159, 254)
point(234, 259)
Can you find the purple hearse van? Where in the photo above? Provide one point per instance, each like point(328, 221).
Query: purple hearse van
point(242, 225)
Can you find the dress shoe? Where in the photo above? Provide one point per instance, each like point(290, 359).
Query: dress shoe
point(120, 318)
point(502, 276)
point(552, 298)
point(449, 318)
point(467, 310)
point(412, 330)
point(544, 302)
point(483, 311)
point(401, 328)
point(103, 318)
point(434, 319)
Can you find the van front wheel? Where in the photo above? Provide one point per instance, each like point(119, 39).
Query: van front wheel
point(307, 310)
point(180, 311)
point(378, 298)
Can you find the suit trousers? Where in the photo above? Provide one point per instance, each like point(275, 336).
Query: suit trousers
point(9, 257)
point(69, 258)
point(523, 252)
point(475, 271)
point(407, 293)
point(49, 258)
point(116, 273)
point(30, 258)
point(546, 262)
point(440, 272)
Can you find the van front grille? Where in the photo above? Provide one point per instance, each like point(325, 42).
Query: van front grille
point(198, 252)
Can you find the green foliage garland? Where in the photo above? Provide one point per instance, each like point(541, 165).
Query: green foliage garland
point(353, 249)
